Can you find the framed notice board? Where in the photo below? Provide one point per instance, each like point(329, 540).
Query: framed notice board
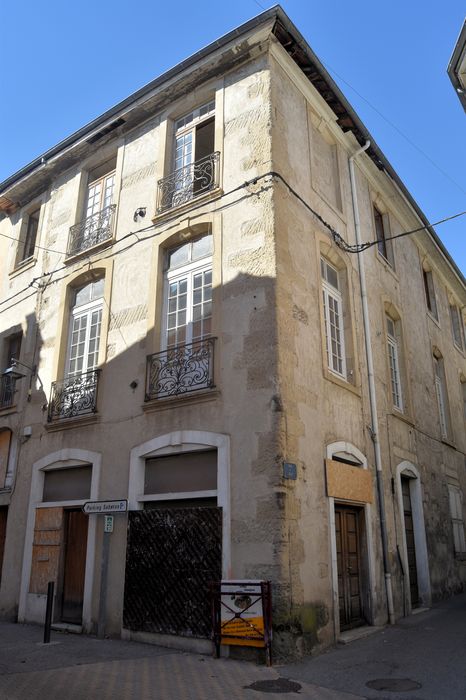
point(242, 615)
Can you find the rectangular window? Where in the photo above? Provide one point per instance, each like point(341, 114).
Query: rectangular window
point(31, 235)
point(333, 319)
point(430, 293)
point(193, 163)
point(382, 233)
point(456, 326)
point(393, 356)
point(441, 396)
point(456, 510)
point(98, 212)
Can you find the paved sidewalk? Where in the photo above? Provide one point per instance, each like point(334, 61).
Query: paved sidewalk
point(78, 667)
point(423, 655)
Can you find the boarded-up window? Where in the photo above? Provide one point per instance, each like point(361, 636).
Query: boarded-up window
point(5, 439)
point(67, 484)
point(48, 535)
point(181, 473)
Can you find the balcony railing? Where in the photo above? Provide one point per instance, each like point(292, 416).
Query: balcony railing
point(7, 391)
point(188, 182)
point(181, 369)
point(96, 229)
point(74, 396)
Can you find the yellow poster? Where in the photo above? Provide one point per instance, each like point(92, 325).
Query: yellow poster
point(242, 615)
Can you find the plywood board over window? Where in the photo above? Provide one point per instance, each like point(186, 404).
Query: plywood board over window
point(348, 483)
point(48, 536)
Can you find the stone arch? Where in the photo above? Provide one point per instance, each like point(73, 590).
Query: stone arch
point(62, 459)
point(349, 453)
point(186, 441)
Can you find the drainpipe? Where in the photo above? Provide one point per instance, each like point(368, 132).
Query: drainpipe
point(372, 394)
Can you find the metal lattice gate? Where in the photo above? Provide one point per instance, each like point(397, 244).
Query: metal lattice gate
point(172, 555)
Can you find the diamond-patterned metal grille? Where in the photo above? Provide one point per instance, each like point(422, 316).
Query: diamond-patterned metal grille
point(172, 555)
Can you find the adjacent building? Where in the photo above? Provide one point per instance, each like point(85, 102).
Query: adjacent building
point(457, 66)
point(200, 328)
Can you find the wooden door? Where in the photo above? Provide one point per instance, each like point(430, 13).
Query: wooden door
point(74, 565)
point(410, 543)
point(348, 564)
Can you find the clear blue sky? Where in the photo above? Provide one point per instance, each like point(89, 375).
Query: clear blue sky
point(63, 64)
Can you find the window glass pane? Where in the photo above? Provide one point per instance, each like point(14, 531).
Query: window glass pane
point(97, 289)
point(202, 247)
point(332, 276)
point(83, 295)
point(178, 257)
point(390, 327)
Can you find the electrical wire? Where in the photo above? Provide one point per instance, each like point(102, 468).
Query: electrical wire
point(337, 237)
point(40, 247)
point(339, 240)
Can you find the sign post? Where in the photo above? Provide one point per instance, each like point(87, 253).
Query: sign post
point(107, 509)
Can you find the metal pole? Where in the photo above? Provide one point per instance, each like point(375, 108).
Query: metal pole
point(372, 393)
point(48, 611)
point(103, 586)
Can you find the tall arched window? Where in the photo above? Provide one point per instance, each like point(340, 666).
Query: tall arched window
point(188, 293)
point(85, 325)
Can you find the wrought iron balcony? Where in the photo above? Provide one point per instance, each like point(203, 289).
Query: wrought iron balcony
point(74, 396)
point(188, 182)
point(180, 370)
point(96, 229)
point(7, 391)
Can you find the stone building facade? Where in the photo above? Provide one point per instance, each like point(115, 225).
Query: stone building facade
point(180, 286)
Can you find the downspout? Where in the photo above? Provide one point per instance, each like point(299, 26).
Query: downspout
point(372, 394)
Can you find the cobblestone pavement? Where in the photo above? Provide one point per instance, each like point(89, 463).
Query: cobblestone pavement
point(76, 667)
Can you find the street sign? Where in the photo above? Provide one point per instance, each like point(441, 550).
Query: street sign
point(105, 507)
point(108, 523)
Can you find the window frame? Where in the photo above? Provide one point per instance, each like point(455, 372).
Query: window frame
point(190, 127)
point(78, 312)
point(329, 291)
point(393, 351)
point(429, 292)
point(442, 396)
point(103, 179)
point(457, 326)
point(457, 520)
point(27, 242)
point(381, 224)
point(187, 270)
